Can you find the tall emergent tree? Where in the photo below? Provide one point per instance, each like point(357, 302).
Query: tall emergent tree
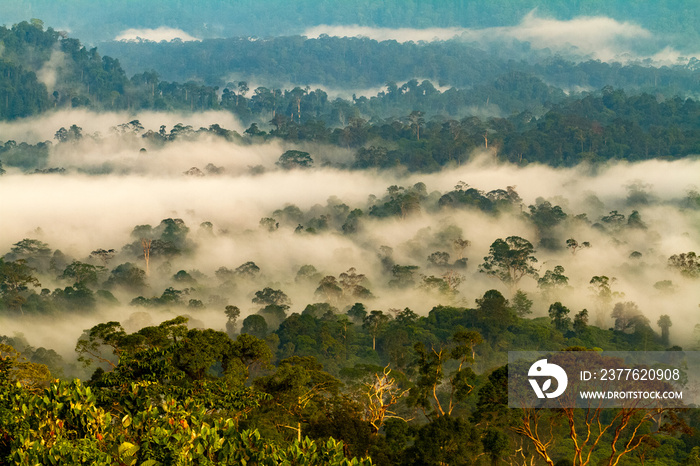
point(430, 392)
point(16, 278)
point(559, 315)
point(665, 323)
point(295, 159)
point(686, 263)
point(373, 323)
point(232, 313)
point(510, 260)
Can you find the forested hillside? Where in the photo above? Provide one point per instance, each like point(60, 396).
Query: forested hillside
point(359, 63)
point(304, 352)
point(198, 270)
point(543, 124)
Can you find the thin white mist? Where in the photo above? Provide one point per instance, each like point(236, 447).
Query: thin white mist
point(159, 34)
point(43, 127)
point(77, 213)
point(584, 37)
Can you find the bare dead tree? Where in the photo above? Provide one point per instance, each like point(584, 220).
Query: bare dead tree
point(381, 395)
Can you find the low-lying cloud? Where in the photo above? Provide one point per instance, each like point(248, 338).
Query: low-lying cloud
point(43, 127)
point(585, 37)
point(77, 213)
point(48, 74)
point(162, 33)
point(382, 34)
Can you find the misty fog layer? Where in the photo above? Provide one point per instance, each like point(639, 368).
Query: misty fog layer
point(43, 127)
point(156, 34)
point(317, 232)
point(76, 213)
point(585, 37)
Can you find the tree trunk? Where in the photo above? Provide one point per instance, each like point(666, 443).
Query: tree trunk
point(146, 243)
